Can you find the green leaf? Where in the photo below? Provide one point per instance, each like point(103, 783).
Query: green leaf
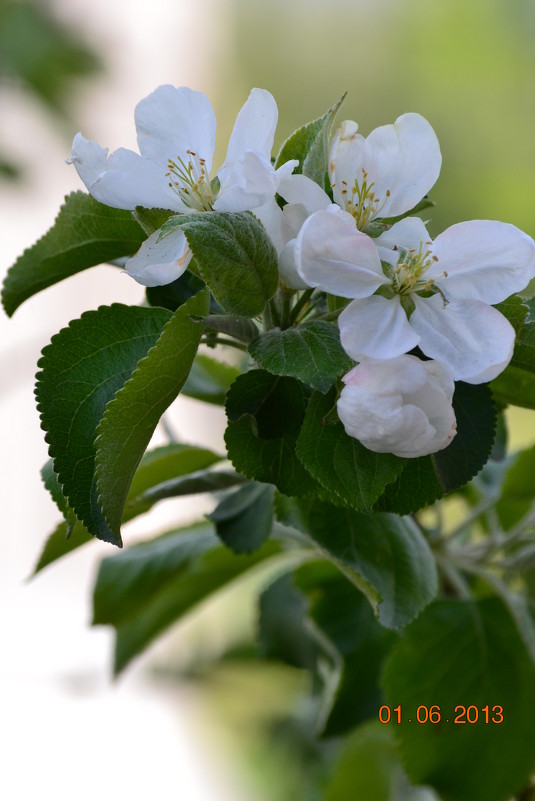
point(515, 310)
point(200, 481)
point(385, 556)
point(209, 380)
point(155, 583)
point(130, 419)
point(311, 352)
point(81, 370)
point(243, 520)
point(61, 542)
point(151, 219)
point(242, 328)
point(235, 257)
point(310, 146)
point(515, 386)
point(260, 440)
point(51, 482)
point(85, 233)
point(428, 478)
point(470, 654)
point(369, 767)
point(173, 295)
point(339, 462)
point(518, 490)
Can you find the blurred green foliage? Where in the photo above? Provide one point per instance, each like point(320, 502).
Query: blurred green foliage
point(42, 56)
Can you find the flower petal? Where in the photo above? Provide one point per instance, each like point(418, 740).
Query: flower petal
point(333, 255)
point(407, 233)
point(171, 121)
point(255, 125)
point(160, 261)
point(376, 328)
point(473, 339)
point(297, 188)
point(402, 159)
point(246, 184)
point(484, 260)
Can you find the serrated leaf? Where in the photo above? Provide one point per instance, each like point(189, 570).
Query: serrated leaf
point(85, 233)
point(384, 555)
point(51, 482)
point(155, 583)
point(310, 352)
point(516, 384)
point(81, 370)
point(61, 542)
point(515, 310)
point(427, 478)
point(244, 519)
point(339, 462)
point(310, 146)
point(130, 419)
point(235, 257)
point(260, 440)
point(470, 654)
point(209, 380)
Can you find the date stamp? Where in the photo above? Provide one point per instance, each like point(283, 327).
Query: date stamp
point(459, 716)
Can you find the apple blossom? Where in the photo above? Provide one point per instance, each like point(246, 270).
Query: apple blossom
point(408, 291)
point(176, 138)
point(400, 406)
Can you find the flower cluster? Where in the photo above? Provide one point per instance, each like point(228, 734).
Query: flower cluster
point(404, 290)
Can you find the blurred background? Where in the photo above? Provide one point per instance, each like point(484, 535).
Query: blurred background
point(66, 65)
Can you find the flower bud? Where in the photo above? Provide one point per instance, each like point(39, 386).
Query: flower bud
point(400, 406)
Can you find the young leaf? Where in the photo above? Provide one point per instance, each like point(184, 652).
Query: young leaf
point(235, 257)
point(428, 478)
point(310, 146)
point(385, 556)
point(130, 419)
point(81, 370)
point(460, 655)
point(85, 233)
point(155, 583)
point(311, 352)
point(243, 520)
point(339, 462)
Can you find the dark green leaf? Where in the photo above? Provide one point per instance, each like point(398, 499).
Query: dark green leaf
point(209, 380)
point(518, 491)
point(515, 310)
point(155, 583)
point(173, 295)
point(200, 481)
point(235, 257)
point(130, 419)
point(385, 556)
point(339, 462)
point(428, 478)
point(260, 440)
point(515, 386)
point(81, 370)
point(311, 352)
point(243, 520)
point(151, 219)
point(470, 654)
point(51, 482)
point(310, 146)
point(242, 328)
point(84, 234)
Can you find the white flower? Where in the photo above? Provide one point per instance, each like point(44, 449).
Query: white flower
point(400, 406)
point(387, 173)
point(176, 139)
point(409, 291)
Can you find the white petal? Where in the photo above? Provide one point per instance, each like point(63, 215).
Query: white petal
point(130, 181)
point(297, 188)
point(376, 328)
point(287, 267)
point(474, 340)
point(407, 233)
point(160, 261)
point(171, 121)
point(270, 215)
point(402, 159)
point(89, 158)
point(255, 125)
point(246, 184)
point(333, 255)
point(484, 260)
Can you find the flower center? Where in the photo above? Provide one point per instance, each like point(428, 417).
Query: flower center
point(190, 181)
point(361, 201)
point(412, 265)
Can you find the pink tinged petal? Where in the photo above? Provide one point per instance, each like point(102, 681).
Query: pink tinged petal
point(376, 328)
point(473, 339)
point(484, 260)
point(160, 261)
point(333, 255)
point(255, 125)
point(300, 189)
point(246, 184)
point(171, 121)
